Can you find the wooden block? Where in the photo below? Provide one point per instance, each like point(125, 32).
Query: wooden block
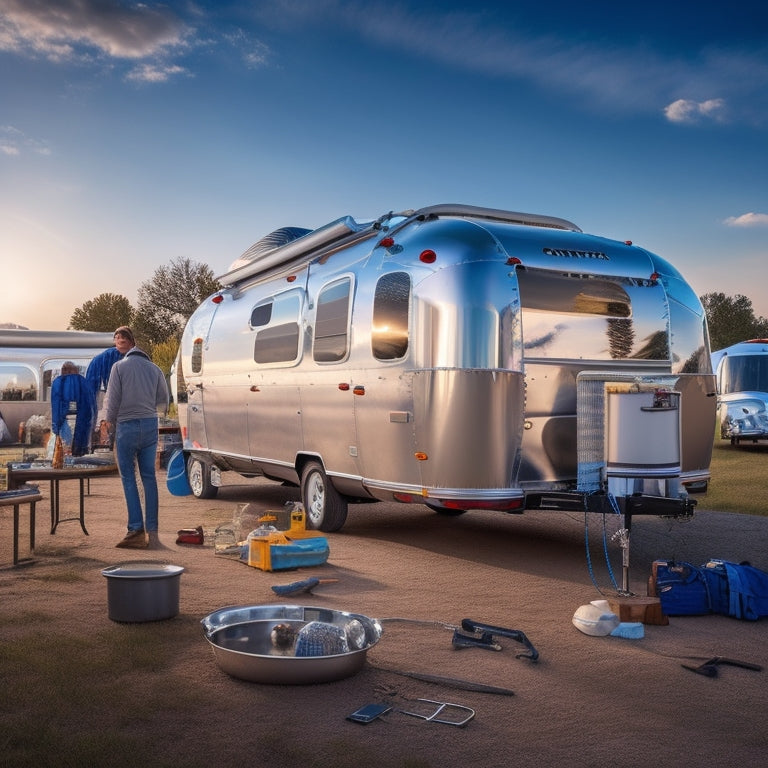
point(646, 610)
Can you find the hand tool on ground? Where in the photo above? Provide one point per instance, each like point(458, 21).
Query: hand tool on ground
point(709, 668)
point(300, 587)
point(485, 640)
point(451, 682)
point(478, 629)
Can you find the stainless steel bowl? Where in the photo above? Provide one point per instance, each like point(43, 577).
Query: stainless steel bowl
point(240, 637)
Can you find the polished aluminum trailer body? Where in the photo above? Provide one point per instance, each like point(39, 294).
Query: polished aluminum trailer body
point(742, 386)
point(437, 356)
point(30, 360)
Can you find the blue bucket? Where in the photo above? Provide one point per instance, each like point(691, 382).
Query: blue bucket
point(176, 480)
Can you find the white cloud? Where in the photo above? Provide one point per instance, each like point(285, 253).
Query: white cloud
point(748, 220)
point(255, 54)
point(687, 111)
point(154, 73)
point(495, 42)
point(13, 143)
point(61, 30)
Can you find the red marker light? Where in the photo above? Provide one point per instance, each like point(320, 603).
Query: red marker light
point(428, 256)
point(217, 299)
point(290, 278)
point(627, 242)
point(655, 276)
point(513, 260)
point(386, 242)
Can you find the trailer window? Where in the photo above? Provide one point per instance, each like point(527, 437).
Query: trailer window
point(277, 322)
point(331, 321)
point(17, 382)
point(744, 373)
point(197, 355)
point(593, 318)
point(389, 335)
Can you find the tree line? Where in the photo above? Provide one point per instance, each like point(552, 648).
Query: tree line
point(169, 298)
point(164, 304)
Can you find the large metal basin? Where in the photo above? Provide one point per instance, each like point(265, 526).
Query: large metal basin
point(241, 643)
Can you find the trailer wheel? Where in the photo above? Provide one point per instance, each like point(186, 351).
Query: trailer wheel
point(199, 475)
point(326, 508)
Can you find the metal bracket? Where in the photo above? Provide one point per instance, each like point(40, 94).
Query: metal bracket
point(440, 707)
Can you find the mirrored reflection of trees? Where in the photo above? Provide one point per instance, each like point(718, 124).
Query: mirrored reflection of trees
point(696, 363)
point(656, 347)
point(621, 337)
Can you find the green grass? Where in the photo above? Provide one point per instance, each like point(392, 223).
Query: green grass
point(739, 482)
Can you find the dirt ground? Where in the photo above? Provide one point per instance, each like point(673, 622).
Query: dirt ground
point(588, 701)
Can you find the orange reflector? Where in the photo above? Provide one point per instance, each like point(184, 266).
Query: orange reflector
point(359, 390)
point(421, 456)
point(290, 278)
point(344, 387)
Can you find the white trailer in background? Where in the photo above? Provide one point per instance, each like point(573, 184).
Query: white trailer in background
point(31, 360)
point(742, 386)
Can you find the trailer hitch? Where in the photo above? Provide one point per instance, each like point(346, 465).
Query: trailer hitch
point(483, 635)
point(709, 668)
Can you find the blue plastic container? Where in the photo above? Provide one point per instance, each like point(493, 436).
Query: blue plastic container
point(269, 553)
point(177, 481)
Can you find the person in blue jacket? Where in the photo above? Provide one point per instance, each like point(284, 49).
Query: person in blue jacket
point(97, 375)
point(71, 392)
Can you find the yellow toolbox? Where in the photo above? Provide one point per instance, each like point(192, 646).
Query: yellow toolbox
point(271, 550)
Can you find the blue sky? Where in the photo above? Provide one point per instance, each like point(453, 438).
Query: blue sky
point(133, 134)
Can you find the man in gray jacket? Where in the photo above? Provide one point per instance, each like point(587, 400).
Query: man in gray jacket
point(135, 393)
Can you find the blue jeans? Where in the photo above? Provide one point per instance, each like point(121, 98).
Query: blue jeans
point(136, 443)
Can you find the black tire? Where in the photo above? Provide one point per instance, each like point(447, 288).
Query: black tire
point(199, 476)
point(325, 507)
point(446, 511)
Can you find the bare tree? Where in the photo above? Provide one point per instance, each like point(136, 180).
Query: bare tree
point(167, 300)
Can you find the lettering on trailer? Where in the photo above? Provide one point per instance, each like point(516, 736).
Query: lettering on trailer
point(575, 254)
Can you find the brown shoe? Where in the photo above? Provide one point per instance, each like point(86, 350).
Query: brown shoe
point(134, 540)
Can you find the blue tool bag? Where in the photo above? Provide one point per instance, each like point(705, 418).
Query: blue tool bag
point(732, 589)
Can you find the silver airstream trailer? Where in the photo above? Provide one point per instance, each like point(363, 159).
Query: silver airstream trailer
point(742, 386)
point(459, 357)
point(29, 362)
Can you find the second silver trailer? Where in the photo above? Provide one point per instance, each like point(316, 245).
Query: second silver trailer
point(453, 356)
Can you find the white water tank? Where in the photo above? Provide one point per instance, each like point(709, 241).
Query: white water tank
point(643, 434)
